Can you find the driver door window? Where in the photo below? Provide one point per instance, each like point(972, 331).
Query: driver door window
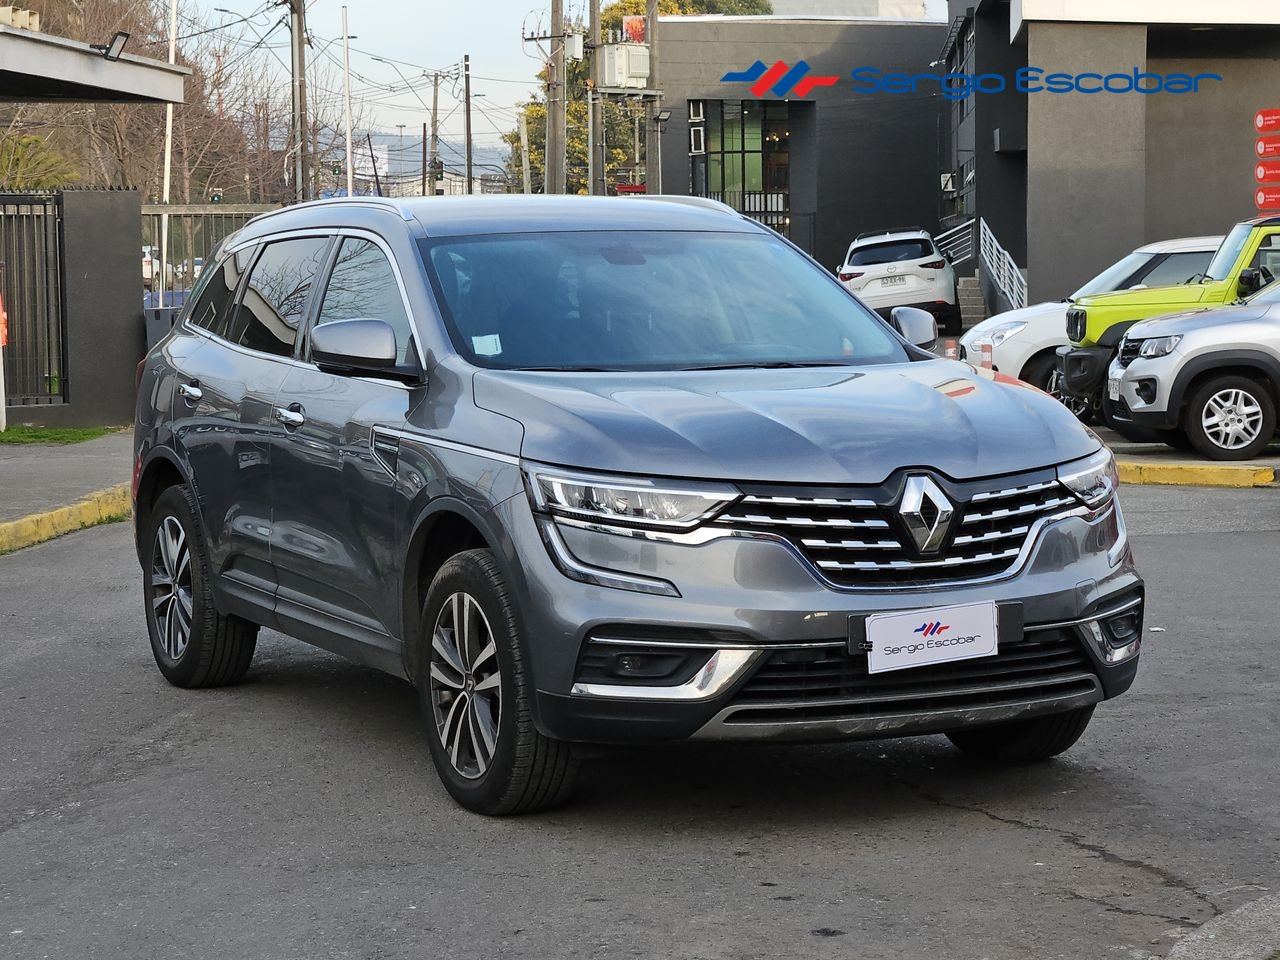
point(363, 286)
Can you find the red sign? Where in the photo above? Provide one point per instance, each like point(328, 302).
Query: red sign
point(1267, 172)
point(634, 30)
point(1267, 121)
point(1267, 147)
point(1267, 198)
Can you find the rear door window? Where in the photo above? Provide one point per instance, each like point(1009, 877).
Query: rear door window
point(211, 309)
point(274, 302)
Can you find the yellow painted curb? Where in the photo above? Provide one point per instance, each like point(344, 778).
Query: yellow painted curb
point(110, 504)
point(1196, 474)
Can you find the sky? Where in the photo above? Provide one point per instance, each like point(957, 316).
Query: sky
point(424, 35)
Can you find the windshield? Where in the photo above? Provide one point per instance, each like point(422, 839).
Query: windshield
point(641, 300)
point(1111, 278)
point(1227, 255)
point(892, 252)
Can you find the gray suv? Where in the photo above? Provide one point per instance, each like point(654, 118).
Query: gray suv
point(605, 470)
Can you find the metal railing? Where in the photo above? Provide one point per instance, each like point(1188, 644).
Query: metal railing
point(31, 289)
point(194, 230)
point(957, 243)
point(999, 266)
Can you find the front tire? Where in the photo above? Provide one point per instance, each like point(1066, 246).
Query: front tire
point(1024, 741)
point(475, 696)
point(193, 644)
point(1230, 418)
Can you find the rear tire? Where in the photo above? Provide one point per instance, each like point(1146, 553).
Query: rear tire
point(1024, 741)
point(475, 696)
point(194, 645)
point(1241, 400)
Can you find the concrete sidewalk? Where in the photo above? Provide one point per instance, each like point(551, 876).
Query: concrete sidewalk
point(47, 489)
point(1158, 463)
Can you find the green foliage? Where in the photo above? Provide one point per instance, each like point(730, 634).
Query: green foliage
point(20, 434)
point(26, 163)
point(618, 140)
point(612, 14)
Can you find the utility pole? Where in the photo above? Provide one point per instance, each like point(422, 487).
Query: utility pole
point(524, 152)
point(652, 153)
point(598, 186)
point(298, 29)
point(466, 117)
point(435, 126)
point(346, 96)
point(556, 94)
point(424, 159)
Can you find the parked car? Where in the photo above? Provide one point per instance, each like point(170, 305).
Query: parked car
point(894, 268)
point(189, 272)
point(589, 469)
point(1208, 379)
point(1024, 342)
point(149, 262)
point(1248, 258)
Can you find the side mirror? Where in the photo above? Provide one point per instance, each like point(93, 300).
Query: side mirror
point(354, 346)
point(916, 325)
point(1250, 281)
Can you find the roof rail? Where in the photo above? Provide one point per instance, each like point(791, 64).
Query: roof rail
point(887, 231)
point(383, 203)
point(705, 203)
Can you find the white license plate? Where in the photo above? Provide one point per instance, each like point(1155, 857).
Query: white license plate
point(1113, 389)
point(892, 281)
point(917, 638)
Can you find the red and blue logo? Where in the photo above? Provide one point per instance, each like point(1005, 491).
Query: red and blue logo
point(780, 79)
point(932, 628)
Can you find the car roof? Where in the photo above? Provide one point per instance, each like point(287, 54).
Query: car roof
point(897, 233)
point(1182, 245)
point(508, 213)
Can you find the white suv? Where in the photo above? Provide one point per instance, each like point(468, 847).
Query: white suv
point(902, 268)
point(1024, 342)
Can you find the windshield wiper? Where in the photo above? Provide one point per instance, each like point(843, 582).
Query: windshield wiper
point(766, 365)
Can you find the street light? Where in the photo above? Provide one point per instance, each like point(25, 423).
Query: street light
point(659, 123)
point(111, 51)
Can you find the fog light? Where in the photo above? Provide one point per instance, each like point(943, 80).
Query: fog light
point(1118, 637)
point(1146, 388)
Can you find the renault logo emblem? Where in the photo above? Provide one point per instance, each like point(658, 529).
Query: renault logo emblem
point(926, 512)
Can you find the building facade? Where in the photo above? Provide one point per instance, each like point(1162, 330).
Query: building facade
point(1069, 182)
point(822, 167)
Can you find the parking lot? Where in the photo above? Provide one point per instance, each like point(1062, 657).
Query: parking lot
point(297, 815)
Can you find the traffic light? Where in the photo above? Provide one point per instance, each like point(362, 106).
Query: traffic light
point(437, 166)
point(215, 194)
point(337, 169)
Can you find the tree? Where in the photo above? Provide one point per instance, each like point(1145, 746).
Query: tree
point(612, 14)
point(26, 163)
point(617, 139)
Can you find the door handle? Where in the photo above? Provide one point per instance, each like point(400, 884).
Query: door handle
point(191, 391)
point(290, 418)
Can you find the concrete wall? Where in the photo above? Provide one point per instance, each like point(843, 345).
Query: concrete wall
point(874, 159)
point(102, 300)
point(1200, 147)
point(1086, 158)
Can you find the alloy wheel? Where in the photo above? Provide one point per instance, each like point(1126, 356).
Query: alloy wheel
point(1077, 405)
point(465, 685)
point(1231, 418)
point(171, 587)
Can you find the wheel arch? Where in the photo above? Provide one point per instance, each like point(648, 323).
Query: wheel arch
point(161, 470)
point(1245, 363)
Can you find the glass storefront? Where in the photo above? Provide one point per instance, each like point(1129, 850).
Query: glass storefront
point(740, 154)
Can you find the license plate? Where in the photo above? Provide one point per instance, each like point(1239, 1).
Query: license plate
point(892, 281)
point(918, 638)
point(1113, 389)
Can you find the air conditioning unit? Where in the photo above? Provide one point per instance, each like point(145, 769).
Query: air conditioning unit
point(625, 65)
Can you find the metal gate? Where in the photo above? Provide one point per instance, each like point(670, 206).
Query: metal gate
point(194, 230)
point(31, 288)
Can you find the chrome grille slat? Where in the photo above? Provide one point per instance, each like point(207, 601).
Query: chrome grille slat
point(854, 537)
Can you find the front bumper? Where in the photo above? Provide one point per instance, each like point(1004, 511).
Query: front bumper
point(1083, 370)
point(787, 666)
point(1145, 387)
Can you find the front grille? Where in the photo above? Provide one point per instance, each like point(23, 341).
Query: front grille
point(1129, 351)
point(1075, 324)
point(830, 683)
point(859, 542)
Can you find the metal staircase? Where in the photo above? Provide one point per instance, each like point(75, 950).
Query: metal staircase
point(974, 238)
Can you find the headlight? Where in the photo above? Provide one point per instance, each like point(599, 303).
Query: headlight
point(1093, 480)
point(1159, 346)
point(632, 503)
point(1006, 330)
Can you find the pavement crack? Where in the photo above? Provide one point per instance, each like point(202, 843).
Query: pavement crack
point(1166, 877)
point(1128, 912)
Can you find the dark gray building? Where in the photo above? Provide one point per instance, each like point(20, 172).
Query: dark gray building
point(819, 168)
point(1070, 182)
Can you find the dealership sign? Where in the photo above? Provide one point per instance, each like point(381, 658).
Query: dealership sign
point(1267, 121)
point(1267, 198)
point(1267, 147)
point(1267, 172)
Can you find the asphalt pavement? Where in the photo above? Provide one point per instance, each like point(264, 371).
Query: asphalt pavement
point(297, 816)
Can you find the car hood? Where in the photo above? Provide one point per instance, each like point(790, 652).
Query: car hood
point(1179, 295)
point(820, 425)
point(1187, 321)
point(1036, 313)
